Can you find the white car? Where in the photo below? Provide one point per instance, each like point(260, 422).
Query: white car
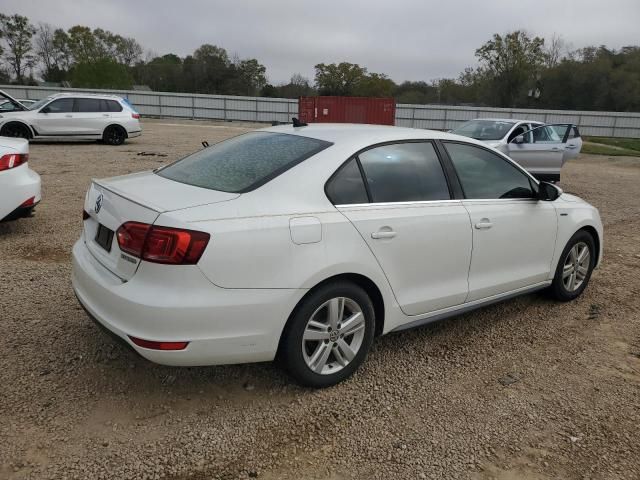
point(109, 118)
point(19, 185)
point(541, 149)
point(303, 243)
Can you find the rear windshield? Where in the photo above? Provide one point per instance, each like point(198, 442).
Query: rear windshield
point(243, 163)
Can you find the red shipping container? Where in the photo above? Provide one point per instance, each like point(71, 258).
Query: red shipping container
point(381, 111)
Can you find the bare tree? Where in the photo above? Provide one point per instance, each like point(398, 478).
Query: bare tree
point(555, 51)
point(16, 31)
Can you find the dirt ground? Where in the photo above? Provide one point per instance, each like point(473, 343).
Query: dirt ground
point(527, 389)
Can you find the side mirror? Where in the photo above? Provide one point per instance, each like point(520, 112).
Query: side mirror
point(45, 110)
point(519, 139)
point(548, 192)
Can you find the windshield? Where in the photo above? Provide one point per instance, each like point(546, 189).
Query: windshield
point(484, 129)
point(39, 104)
point(243, 163)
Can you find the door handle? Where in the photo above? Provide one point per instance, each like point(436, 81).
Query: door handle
point(555, 149)
point(105, 114)
point(69, 116)
point(570, 147)
point(383, 234)
point(484, 224)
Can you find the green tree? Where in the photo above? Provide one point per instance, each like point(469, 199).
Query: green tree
point(339, 79)
point(511, 62)
point(250, 76)
point(102, 73)
point(16, 32)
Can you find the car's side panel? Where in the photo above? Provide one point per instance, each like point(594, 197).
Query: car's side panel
point(513, 245)
point(424, 249)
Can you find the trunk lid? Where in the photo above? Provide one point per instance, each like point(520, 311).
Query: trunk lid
point(139, 197)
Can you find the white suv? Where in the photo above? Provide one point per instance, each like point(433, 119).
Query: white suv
point(72, 116)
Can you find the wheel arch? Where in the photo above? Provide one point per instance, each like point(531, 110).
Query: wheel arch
point(364, 282)
point(32, 132)
point(596, 239)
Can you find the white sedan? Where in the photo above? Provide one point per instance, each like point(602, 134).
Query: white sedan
point(304, 243)
point(19, 185)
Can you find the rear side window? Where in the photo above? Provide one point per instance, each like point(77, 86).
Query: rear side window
point(404, 172)
point(485, 175)
point(111, 106)
point(346, 186)
point(243, 163)
point(87, 105)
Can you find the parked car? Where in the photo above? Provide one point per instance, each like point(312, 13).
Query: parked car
point(303, 243)
point(19, 185)
point(541, 149)
point(8, 106)
point(109, 118)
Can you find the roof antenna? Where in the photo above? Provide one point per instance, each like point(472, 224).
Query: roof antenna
point(297, 123)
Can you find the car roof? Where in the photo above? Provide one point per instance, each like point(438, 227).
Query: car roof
point(510, 120)
point(364, 134)
point(85, 95)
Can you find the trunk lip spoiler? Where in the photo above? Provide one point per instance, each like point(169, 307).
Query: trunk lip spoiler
point(128, 196)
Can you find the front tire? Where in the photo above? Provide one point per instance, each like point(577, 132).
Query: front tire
point(574, 269)
point(329, 335)
point(15, 130)
point(114, 135)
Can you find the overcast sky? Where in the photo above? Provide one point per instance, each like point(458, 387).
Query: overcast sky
point(406, 39)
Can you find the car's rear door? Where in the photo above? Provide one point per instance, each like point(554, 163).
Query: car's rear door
point(420, 236)
point(542, 151)
point(90, 116)
point(514, 234)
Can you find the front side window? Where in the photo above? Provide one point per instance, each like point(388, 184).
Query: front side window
point(404, 172)
point(62, 105)
point(486, 175)
point(346, 186)
point(243, 163)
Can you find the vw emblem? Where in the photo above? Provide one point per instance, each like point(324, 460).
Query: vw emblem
point(99, 203)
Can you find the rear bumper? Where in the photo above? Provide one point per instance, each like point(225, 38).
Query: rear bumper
point(168, 303)
point(134, 133)
point(16, 187)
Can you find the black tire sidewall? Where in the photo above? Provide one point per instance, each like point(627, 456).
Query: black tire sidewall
point(106, 137)
point(26, 134)
point(557, 287)
point(291, 354)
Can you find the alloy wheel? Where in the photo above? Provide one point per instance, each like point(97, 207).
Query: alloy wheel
point(576, 266)
point(333, 335)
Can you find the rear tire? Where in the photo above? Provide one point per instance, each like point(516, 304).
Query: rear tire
point(574, 268)
point(15, 130)
point(329, 335)
point(114, 135)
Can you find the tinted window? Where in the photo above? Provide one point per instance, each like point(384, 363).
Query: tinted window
point(111, 106)
point(347, 186)
point(404, 172)
point(88, 105)
point(62, 105)
point(243, 163)
point(484, 129)
point(484, 174)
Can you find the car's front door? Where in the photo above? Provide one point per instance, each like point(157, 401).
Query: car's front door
point(55, 118)
point(420, 236)
point(514, 234)
point(540, 151)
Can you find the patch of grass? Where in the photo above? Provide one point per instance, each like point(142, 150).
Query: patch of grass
point(601, 149)
point(626, 143)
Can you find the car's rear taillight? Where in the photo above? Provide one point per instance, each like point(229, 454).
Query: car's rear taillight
point(12, 160)
point(150, 344)
point(29, 202)
point(158, 244)
point(135, 115)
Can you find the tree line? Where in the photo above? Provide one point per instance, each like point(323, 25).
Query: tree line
point(514, 69)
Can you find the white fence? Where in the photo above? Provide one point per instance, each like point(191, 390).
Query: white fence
point(260, 109)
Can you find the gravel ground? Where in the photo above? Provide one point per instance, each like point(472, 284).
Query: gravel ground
point(527, 389)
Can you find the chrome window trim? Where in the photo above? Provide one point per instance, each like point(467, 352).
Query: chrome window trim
point(400, 204)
